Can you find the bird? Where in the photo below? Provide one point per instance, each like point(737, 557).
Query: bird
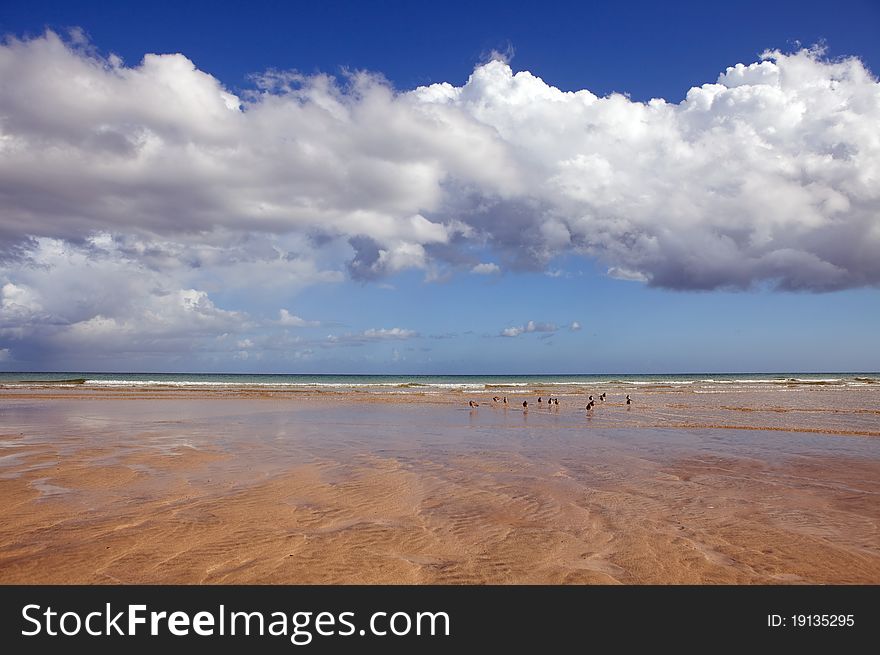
point(602, 397)
point(556, 402)
point(505, 400)
point(495, 399)
point(525, 404)
point(539, 400)
point(628, 400)
point(590, 405)
point(590, 399)
point(471, 403)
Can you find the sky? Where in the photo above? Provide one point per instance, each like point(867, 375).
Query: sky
point(417, 188)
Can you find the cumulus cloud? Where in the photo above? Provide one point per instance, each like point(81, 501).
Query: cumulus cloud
point(575, 326)
point(89, 299)
point(531, 326)
point(487, 268)
point(768, 174)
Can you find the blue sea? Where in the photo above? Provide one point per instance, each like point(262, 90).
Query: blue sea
point(507, 383)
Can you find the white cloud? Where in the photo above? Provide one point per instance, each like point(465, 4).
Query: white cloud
point(134, 194)
point(531, 326)
point(18, 306)
point(486, 268)
point(373, 334)
point(626, 274)
point(575, 326)
point(291, 320)
point(84, 299)
point(504, 56)
point(154, 322)
point(391, 333)
point(768, 174)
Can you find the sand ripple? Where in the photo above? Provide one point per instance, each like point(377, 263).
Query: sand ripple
point(318, 491)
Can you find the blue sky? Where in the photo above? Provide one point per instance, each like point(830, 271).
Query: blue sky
point(646, 49)
point(216, 212)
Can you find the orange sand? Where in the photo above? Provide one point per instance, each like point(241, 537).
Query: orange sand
point(173, 486)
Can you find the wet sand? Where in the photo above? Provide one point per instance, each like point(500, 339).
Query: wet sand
point(194, 486)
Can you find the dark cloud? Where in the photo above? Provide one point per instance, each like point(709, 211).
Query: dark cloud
point(365, 263)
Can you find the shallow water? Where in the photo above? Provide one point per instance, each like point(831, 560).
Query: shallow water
point(119, 487)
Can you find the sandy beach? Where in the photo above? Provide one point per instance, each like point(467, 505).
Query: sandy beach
point(169, 485)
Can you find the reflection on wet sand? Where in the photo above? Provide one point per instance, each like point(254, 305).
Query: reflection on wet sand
point(122, 486)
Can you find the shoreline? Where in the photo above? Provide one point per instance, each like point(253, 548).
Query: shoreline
point(832, 411)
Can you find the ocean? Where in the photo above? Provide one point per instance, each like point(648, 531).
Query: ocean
point(441, 383)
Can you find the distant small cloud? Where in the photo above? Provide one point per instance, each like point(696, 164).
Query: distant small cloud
point(626, 274)
point(487, 268)
point(531, 326)
point(373, 334)
point(575, 326)
point(392, 333)
point(291, 320)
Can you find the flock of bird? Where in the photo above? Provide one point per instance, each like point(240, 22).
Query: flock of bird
point(551, 402)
